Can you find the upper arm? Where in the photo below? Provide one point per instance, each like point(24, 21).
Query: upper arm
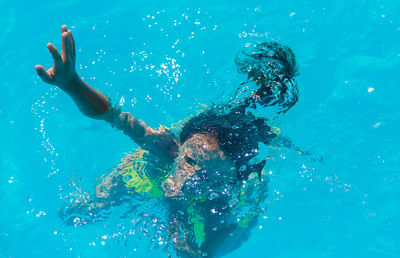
point(159, 142)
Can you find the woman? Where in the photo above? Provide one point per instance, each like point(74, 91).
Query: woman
point(208, 175)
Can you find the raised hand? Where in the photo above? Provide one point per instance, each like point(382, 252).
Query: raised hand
point(63, 73)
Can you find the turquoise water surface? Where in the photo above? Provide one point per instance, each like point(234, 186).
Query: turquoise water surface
point(161, 60)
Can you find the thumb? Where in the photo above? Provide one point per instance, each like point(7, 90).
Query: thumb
point(43, 73)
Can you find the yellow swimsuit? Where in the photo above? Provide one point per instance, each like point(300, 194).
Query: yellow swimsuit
point(136, 175)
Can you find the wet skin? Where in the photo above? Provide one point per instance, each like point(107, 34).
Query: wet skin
point(200, 166)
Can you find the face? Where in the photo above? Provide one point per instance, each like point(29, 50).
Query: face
point(199, 159)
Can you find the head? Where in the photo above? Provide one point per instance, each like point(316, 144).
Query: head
point(272, 68)
point(199, 167)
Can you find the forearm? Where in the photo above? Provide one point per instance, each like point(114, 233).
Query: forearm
point(159, 142)
point(96, 105)
point(90, 102)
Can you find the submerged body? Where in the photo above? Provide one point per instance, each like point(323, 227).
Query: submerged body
point(206, 175)
point(212, 192)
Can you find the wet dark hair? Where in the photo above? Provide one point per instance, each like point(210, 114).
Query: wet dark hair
point(272, 67)
point(238, 133)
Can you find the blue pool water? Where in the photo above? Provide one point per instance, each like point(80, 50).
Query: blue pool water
point(160, 60)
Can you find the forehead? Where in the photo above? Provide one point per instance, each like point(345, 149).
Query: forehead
point(201, 141)
point(201, 146)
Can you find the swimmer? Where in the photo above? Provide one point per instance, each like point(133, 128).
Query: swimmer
point(206, 174)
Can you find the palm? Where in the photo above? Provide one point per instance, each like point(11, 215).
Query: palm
point(63, 70)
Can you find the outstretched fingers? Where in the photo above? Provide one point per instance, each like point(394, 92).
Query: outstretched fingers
point(54, 53)
point(72, 43)
point(68, 43)
point(66, 47)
